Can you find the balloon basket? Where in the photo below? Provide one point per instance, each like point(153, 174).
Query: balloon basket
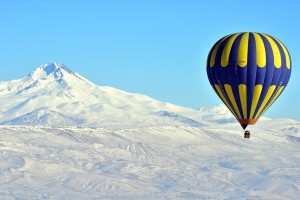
point(247, 134)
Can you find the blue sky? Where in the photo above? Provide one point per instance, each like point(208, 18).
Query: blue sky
point(158, 48)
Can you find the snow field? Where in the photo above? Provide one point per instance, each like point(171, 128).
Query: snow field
point(148, 163)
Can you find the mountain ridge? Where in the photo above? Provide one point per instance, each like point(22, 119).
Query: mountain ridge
point(56, 88)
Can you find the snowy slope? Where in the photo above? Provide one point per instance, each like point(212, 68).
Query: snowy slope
point(167, 162)
point(43, 117)
point(55, 88)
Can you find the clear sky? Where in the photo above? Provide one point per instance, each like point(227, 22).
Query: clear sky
point(155, 47)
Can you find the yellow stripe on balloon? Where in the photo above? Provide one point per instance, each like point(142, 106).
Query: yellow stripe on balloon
point(260, 51)
point(243, 50)
point(232, 99)
point(286, 54)
point(218, 89)
point(255, 98)
point(243, 98)
point(274, 98)
point(227, 49)
point(265, 101)
point(276, 52)
point(214, 53)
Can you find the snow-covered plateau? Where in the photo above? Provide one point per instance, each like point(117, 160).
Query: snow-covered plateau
point(63, 137)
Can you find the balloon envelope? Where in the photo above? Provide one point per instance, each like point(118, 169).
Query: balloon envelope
point(248, 71)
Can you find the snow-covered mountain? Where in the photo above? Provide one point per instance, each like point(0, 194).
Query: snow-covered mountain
point(54, 95)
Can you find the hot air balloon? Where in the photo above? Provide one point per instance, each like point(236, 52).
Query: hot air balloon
point(248, 71)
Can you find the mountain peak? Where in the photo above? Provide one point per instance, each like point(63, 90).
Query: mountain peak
point(54, 69)
point(54, 66)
